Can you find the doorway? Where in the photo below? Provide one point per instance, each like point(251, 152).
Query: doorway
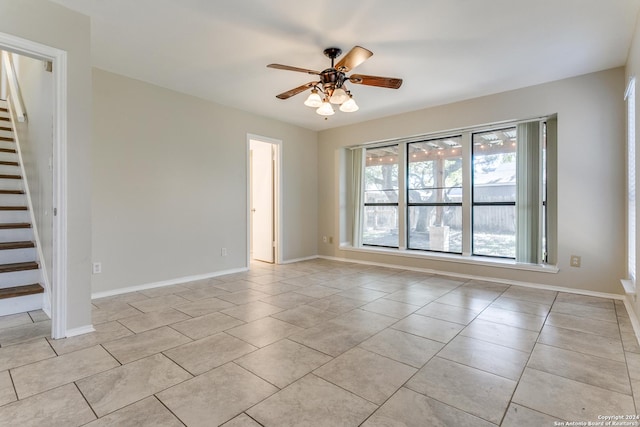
point(264, 198)
point(57, 241)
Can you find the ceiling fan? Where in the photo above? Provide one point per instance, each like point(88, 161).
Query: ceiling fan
point(331, 88)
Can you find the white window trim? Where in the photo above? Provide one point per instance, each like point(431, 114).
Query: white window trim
point(629, 284)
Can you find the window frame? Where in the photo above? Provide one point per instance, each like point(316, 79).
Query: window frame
point(629, 283)
point(472, 188)
point(366, 204)
point(408, 189)
point(547, 238)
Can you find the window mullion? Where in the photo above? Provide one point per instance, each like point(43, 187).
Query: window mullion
point(466, 194)
point(402, 197)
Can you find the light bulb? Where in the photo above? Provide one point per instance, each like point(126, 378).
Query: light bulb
point(314, 99)
point(325, 109)
point(338, 96)
point(349, 106)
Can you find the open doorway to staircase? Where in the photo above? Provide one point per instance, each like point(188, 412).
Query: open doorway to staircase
point(33, 243)
point(263, 199)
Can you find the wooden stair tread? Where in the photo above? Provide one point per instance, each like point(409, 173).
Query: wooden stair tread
point(11, 192)
point(20, 291)
point(16, 245)
point(6, 119)
point(13, 208)
point(18, 266)
point(8, 163)
point(7, 150)
point(6, 129)
point(14, 225)
point(6, 110)
point(7, 176)
point(6, 138)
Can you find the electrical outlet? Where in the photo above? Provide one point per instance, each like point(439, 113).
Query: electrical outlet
point(223, 252)
point(575, 261)
point(324, 239)
point(97, 268)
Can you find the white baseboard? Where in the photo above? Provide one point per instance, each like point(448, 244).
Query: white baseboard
point(79, 331)
point(291, 261)
point(485, 278)
point(163, 283)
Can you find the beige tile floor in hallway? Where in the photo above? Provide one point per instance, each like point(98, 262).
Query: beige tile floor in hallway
point(323, 343)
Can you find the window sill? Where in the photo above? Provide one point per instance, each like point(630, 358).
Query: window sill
point(460, 259)
point(629, 286)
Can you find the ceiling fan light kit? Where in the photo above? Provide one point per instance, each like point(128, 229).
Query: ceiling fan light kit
point(326, 109)
point(349, 106)
point(331, 88)
point(314, 99)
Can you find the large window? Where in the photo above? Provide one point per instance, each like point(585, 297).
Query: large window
point(478, 192)
point(434, 183)
point(380, 226)
point(494, 193)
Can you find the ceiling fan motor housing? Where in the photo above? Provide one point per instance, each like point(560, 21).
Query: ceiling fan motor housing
point(332, 78)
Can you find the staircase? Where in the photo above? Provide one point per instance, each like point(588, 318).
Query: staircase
point(20, 274)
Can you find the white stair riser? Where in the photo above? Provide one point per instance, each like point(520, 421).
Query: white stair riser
point(9, 170)
point(19, 278)
point(13, 200)
point(9, 157)
point(7, 144)
point(12, 256)
point(21, 304)
point(11, 184)
point(14, 216)
point(16, 235)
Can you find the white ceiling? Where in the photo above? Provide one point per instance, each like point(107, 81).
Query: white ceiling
point(445, 50)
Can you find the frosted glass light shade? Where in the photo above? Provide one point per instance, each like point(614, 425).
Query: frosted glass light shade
point(313, 100)
point(349, 106)
point(338, 96)
point(325, 109)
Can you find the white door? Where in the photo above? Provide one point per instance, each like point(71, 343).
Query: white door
point(262, 180)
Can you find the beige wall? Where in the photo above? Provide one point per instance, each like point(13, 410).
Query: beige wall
point(590, 173)
point(36, 145)
point(170, 184)
point(56, 26)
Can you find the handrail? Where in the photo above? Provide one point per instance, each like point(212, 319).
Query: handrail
point(14, 87)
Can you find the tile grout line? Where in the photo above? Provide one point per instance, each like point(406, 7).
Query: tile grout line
point(626, 362)
point(527, 363)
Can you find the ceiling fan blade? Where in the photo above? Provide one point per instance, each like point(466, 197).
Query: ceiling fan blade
point(388, 82)
point(287, 67)
point(351, 60)
point(288, 94)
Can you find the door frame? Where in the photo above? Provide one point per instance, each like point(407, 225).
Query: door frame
point(277, 195)
point(59, 263)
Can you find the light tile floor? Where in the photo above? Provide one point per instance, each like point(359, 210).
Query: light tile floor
point(323, 343)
